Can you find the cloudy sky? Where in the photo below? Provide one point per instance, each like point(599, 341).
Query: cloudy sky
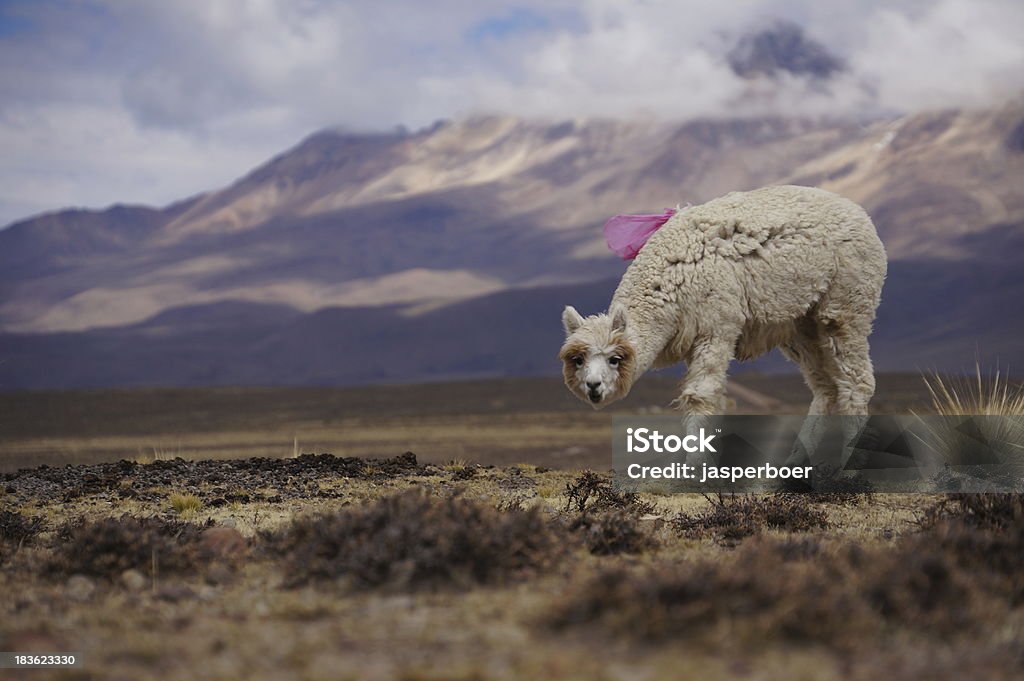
point(149, 102)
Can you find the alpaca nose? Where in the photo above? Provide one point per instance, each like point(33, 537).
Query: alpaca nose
point(592, 387)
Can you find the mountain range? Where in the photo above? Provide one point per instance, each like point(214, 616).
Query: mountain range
point(449, 251)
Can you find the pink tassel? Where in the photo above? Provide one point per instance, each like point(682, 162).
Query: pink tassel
point(627, 234)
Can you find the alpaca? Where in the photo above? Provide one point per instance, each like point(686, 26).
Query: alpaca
point(791, 267)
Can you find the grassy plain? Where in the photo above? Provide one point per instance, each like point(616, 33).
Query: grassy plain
point(501, 560)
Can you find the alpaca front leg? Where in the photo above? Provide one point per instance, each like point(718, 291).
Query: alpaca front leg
point(703, 388)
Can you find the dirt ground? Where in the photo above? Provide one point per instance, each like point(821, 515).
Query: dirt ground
point(499, 422)
point(462, 564)
point(503, 572)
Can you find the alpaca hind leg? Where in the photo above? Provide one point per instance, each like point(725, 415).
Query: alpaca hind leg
point(806, 351)
point(850, 364)
point(854, 376)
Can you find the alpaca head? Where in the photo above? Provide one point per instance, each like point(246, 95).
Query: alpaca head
point(598, 357)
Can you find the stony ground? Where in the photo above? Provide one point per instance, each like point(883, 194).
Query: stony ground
point(326, 567)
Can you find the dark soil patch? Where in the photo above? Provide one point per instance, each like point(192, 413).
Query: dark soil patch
point(216, 482)
point(731, 517)
point(831, 487)
point(414, 541)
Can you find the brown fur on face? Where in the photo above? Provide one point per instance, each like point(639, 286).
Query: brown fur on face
point(585, 344)
point(568, 354)
point(627, 366)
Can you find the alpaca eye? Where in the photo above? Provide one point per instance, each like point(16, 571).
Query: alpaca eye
point(614, 361)
point(578, 361)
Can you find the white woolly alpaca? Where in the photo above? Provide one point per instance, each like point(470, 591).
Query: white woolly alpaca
point(791, 267)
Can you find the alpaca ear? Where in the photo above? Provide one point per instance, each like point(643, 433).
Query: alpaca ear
point(619, 318)
point(571, 319)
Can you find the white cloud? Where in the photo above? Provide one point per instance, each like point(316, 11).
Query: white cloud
point(108, 101)
point(956, 53)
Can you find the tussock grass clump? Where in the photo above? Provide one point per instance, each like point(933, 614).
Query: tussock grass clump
point(185, 504)
point(733, 517)
point(413, 541)
point(992, 396)
point(108, 547)
point(460, 469)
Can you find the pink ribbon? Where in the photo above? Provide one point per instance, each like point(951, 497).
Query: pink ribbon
point(627, 234)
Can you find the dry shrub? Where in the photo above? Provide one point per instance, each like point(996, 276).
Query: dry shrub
point(956, 579)
point(983, 534)
point(412, 540)
point(613, 532)
point(964, 569)
point(591, 492)
point(733, 517)
point(928, 586)
point(607, 520)
point(108, 547)
point(985, 511)
point(18, 529)
point(763, 591)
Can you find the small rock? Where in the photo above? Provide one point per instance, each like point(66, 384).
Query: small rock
point(80, 588)
point(133, 580)
point(228, 522)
